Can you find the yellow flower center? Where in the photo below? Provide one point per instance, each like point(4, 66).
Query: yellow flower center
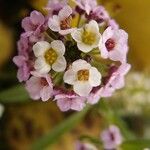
point(83, 75)
point(50, 56)
point(88, 37)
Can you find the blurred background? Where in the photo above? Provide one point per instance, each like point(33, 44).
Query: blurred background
point(25, 121)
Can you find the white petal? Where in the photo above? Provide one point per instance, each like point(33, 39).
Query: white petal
point(67, 31)
point(58, 46)
point(60, 64)
point(70, 77)
point(80, 65)
point(94, 77)
point(65, 12)
point(41, 66)
point(84, 47)
point(54, 23)
point(92, 27)
point(82, 88)
point(40, 47)
point(103, 50)
point(77, 35)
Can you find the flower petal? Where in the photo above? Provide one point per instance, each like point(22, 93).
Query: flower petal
point(64, 104)
point(78, 104)
point(40, 47)
point(69, 77)
point(46, 93)
point(41, 66)
point(60, 64)
point(92, 26)
point(33, 86)
point(82, 88)
point(54, 23)
point(58, 46)
point(65, 12)
point(80, 65)
point(84, 47)
point(37, 18)
point(77, 35)
point(94, 77)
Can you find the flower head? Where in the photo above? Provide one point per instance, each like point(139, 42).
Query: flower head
point(88, 37)
point(111, 137)
point(67, 47)
point(49, 56)
point(62, 22)
point(114, 45)
point(40, 86)
point(83, 77)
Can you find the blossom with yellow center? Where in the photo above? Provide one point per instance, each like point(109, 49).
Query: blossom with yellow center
point(88, 37)
point(83, 77)
point(49, 56)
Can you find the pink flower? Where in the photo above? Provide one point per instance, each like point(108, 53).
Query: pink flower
point(86, 5)
point(62, 22)
point(114, 25)
point(116, 80)
point(67, 101)
point(114, 44)
point(34, 22)
point(54, 6)
point(98, 14)
point(111, 137)
point(23, 69)
point(40, 86)
point(23, 45)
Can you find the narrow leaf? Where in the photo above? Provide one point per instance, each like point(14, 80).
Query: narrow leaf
point(53, 136)
point(136, 144)
point(14, 94)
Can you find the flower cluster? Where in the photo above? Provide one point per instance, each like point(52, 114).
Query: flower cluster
point(74, 55)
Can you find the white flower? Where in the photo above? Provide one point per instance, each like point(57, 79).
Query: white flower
point(49, 56)
point(1, 110)
point(83, 77)
point(87, 37)
point(62, 22)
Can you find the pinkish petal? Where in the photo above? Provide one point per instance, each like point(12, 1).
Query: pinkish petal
point(37, 18)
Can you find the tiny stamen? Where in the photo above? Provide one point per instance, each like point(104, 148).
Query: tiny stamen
point(50, 56)
point(83, 75)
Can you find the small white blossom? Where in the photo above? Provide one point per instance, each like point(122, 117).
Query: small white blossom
point(49, 56)
point(62, 22)
point(88, 37)
point(83, 77)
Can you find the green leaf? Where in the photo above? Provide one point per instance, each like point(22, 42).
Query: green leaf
point(14, 94)
point(136, 144)
point(53, 136)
